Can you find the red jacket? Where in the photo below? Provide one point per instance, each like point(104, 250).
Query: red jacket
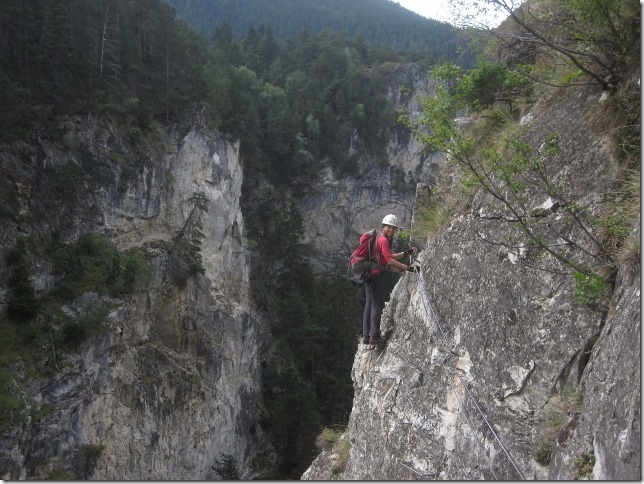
point(382, 252)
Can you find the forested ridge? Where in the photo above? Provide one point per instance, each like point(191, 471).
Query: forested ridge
point(381, 22)
point(130, 59)
point(294, 104)
point(289, 101)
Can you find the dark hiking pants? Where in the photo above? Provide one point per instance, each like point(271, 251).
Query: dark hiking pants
point(373, 306)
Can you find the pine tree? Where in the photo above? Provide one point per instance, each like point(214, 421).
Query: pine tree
point(185, 253)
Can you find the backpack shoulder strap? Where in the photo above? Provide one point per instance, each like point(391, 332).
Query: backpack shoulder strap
point(374, 242)
point(373, 236)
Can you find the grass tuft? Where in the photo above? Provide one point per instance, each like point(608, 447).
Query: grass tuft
point(336, 442)
point(558, 411)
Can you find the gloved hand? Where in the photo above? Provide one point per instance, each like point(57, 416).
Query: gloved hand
point(415, 268)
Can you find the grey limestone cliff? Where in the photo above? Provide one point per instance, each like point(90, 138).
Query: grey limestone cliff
point(170, 388)
point(481, 345)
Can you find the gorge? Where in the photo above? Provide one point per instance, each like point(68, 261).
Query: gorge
point(145, 247)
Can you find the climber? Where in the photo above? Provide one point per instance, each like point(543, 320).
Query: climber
point(373, 286)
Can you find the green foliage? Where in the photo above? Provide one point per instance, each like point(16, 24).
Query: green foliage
point(292, 414)
point(326, 88)
point(83, 266)
point(615, 225)
point(404, 236)
point(579, 41)
point(608, 28)
point(584, 465)
point(342, 450)
point(226, 467)
point(87, 457)
point(15, 113)
point(94, 264)
point(589, 288)
point(288, 100)
point(62, 475)
point(262, 463)
point(12, 404)
point(185, 253)
point(316, 319)
point(378, 22)
point(68, 58)
point(44, 332)
point(75, 332)
point(555, 421)
point(494, 157)
point(480, 87)
point(439, 114)
point(130, 273)
point(328, 437)
point(544, 453)
point(336, 442)
point(430, 220)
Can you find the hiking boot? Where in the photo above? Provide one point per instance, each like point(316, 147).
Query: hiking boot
point(377, 340)
point(365, 340)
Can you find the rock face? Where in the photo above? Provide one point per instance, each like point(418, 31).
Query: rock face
point(480, 345)
point(171, 388)
point(608, 426)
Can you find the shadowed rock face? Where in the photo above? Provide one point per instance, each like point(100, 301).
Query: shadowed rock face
point(479, 344)
point(172, 383)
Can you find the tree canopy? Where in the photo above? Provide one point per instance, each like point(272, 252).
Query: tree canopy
point(382, 22)
point(289, 100)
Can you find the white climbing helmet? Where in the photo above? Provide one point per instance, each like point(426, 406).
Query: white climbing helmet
point(390, 220)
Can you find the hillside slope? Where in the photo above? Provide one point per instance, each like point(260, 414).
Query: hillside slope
point(376, 21)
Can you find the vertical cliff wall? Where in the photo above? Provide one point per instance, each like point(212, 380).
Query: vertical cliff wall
point(481, 346)
point(169, 389)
